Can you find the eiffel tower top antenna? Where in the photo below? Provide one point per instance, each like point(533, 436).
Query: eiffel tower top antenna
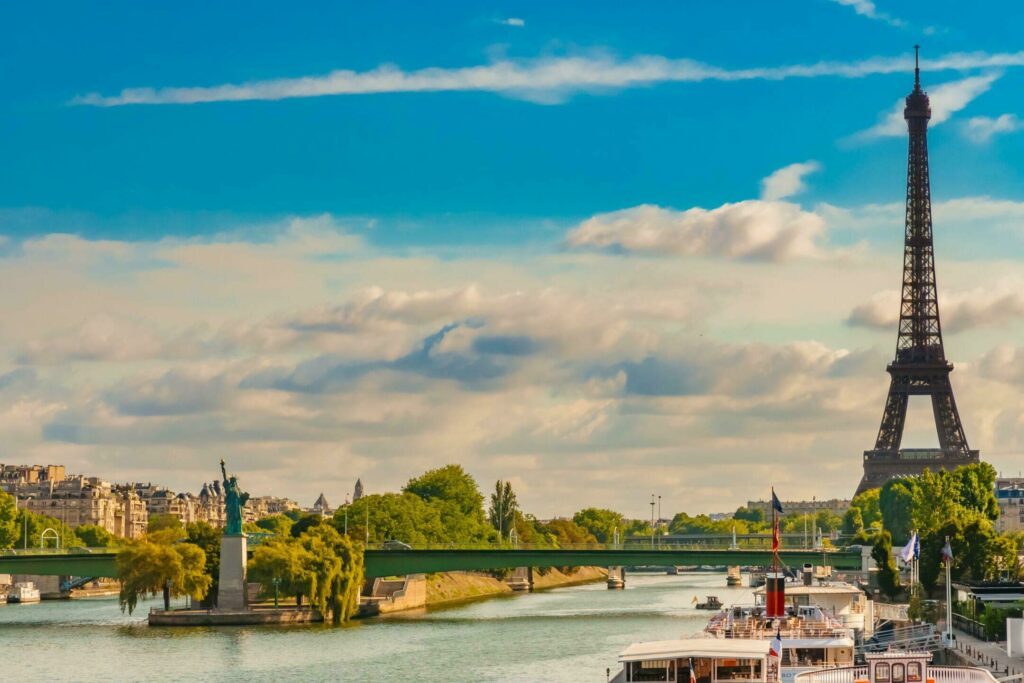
point(917, 68)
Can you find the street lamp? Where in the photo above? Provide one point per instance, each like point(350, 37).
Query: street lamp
point(277, 582)
point(659, 521)
point(652, 521)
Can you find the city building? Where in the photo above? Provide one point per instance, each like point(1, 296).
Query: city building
point(1010, 496)
point(358, 493)
point(837, 506)
point(322, 507)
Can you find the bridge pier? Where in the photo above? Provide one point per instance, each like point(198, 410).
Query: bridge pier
point(616, 578)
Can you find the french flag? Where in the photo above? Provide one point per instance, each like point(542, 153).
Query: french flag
point(775, 649)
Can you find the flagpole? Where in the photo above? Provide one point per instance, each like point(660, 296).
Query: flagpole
point(949, 601)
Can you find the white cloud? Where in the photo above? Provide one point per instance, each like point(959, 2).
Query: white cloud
point(787, 181)
point(866, 8)
point(946, 100)
point(513, 21)
point(994, 305)
point(547, 80)
point(981, 129)
point(754, 230)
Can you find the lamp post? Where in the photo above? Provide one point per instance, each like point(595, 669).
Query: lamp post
point(367, 523)
point(277, 582)
point(346, 515)
point(652, 521)
point(659, 521)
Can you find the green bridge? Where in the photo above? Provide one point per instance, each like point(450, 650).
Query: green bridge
point(379, 563)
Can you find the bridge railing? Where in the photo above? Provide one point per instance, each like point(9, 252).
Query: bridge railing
point(76, 550)
point(629, 545)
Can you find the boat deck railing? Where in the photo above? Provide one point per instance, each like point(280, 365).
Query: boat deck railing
point(940, 674)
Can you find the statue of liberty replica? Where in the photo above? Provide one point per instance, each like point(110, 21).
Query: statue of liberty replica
point(231, 592)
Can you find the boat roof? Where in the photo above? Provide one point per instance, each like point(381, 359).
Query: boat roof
point(695, 647)
point(832, 588)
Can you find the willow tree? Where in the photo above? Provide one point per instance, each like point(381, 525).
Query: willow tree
point(321, 564)
point(149, 567)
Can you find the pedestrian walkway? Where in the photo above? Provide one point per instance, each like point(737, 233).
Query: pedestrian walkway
point(990, 655)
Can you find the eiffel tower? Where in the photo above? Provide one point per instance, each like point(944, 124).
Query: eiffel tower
point(920, 367)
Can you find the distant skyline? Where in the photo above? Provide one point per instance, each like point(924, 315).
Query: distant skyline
point(600, 251)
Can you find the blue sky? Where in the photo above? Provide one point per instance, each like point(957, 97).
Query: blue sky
point(643, 236)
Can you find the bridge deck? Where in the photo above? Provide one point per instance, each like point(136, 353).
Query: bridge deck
point(101, 562)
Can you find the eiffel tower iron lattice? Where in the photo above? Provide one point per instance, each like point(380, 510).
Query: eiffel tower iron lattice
point(920, 366)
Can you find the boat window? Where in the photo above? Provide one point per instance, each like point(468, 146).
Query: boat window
point(737, 669)
point(897, 673)
point(650, 670)
point(881, 672)
point(914, 672)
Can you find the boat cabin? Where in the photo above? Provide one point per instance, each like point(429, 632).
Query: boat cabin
point(713, 660)
point(898, 667)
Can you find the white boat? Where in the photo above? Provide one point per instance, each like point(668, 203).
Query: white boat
point(713, 660)
point(23, 591)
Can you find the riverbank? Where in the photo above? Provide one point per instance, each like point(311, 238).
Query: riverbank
point(454, 587)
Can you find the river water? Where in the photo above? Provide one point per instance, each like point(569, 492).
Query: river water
point(565, 635)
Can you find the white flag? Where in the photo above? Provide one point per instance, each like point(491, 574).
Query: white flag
point(907, 554)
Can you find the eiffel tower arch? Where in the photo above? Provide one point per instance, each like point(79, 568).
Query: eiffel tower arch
point(920, 367)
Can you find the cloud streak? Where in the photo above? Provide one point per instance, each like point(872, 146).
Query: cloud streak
point(982, 129)
point(787, 181)
point(544, 80)
point(946, 100)
point(866, 8)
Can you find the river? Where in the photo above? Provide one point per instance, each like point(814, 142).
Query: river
point(565, 635)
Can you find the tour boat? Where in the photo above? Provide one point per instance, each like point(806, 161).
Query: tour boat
point(811, 638)
point(704, 660)
point(710, 602)
point(23, 591)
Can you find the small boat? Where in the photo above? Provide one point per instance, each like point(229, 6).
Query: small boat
point(710, 602)
point(733, 577)
point(23, 591)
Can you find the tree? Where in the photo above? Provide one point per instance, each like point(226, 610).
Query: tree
point(287, 561)
point(93, 536)
point(163, 521)
point(888, 575)
point(1004, 562)
point(868, 504)
point(566, 532)
point(304, 523)
point(207, 537)
point(600, 522)
point(853, 522)
point(755, 515)
point(395, 516)
point(503, 507)
point(896, 502)
point(9, 531)
point(449, 483)
point(977, 484)
point(279, 525)
point(145, 566)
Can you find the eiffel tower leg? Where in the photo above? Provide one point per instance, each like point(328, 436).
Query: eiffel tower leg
point(947, 421)
point(890, 434)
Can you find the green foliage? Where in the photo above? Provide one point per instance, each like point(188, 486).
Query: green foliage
point(566, 532)
point(162, 522)
point(888, 575)
point(977, 485)
point(280, 525)
point(207, 537)
point(9, 531)
point(683, 523)
point(853, 522)
point(449, 484)
point(897, 503)
point(868, 504)
point(150, 566)
point(601, 523)
point(33, 525)
point(755, 515)
point(503, 509)
point(93, 536)
point(321, 564)
point(304, 523)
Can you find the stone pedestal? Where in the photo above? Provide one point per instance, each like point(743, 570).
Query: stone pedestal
point(231, 594)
